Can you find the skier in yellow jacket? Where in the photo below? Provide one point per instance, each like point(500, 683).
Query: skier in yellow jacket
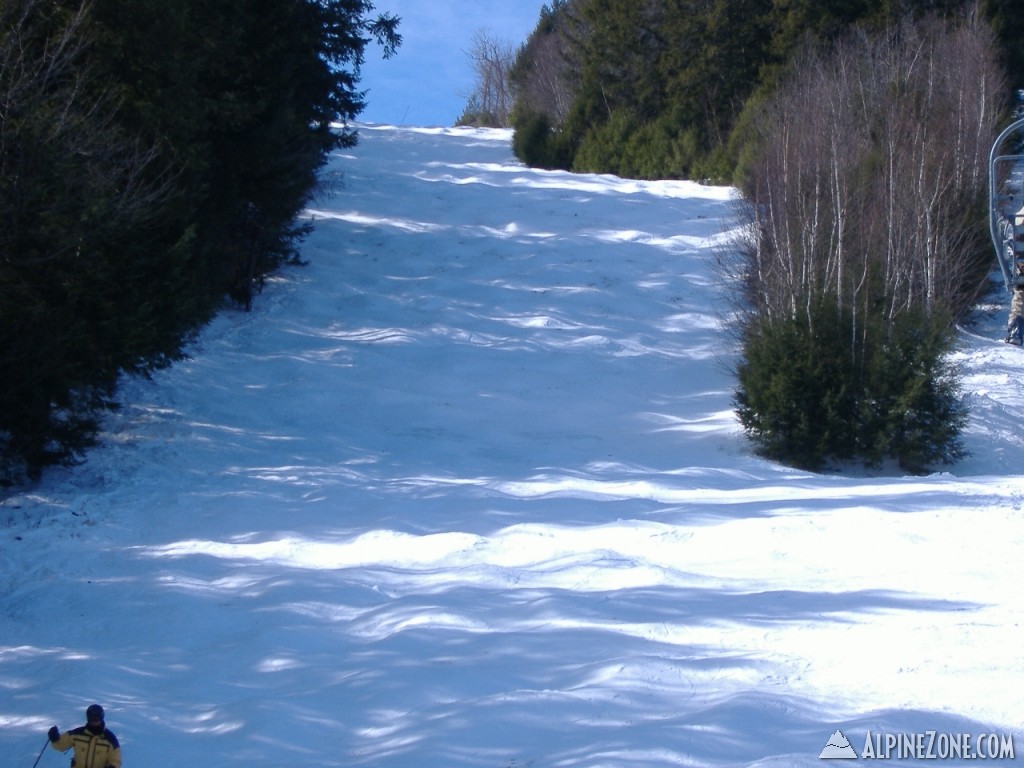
point(95, 746)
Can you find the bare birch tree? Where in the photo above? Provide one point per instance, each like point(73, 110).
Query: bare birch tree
point(546, 77)
point(493, 95)
point(872, 160)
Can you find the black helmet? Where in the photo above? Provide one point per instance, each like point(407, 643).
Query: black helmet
point(94, 713)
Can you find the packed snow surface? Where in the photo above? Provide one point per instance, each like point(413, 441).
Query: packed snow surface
point(467, 489)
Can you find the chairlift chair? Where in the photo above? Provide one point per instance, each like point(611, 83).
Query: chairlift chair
point(1006, 207)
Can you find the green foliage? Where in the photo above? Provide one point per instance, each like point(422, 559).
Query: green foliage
point(603, 148)
point(912, 409)
point(77, 194)
point(631, 149)
point(536, 144)
point(794, 396)
point(251, 92)
point(659, 88)
point(154, 157)
point(656, 83)
point(820, 387)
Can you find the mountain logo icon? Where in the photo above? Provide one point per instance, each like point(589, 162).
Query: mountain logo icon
point(838, 748)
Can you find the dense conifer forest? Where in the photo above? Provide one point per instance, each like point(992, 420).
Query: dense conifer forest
point(153, 158)
point(672, 88)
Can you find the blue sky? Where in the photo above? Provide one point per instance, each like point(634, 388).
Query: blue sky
point(428, 81)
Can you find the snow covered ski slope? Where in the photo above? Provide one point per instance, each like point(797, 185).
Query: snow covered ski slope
point(467, 490)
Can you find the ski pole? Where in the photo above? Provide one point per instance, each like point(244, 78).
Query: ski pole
point(41, 753)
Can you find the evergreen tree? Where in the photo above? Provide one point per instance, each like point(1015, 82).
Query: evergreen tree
point(668, 88)
point(154, 158)
point(75, 192)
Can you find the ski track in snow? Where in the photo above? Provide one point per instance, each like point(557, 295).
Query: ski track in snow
point(467, 490)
